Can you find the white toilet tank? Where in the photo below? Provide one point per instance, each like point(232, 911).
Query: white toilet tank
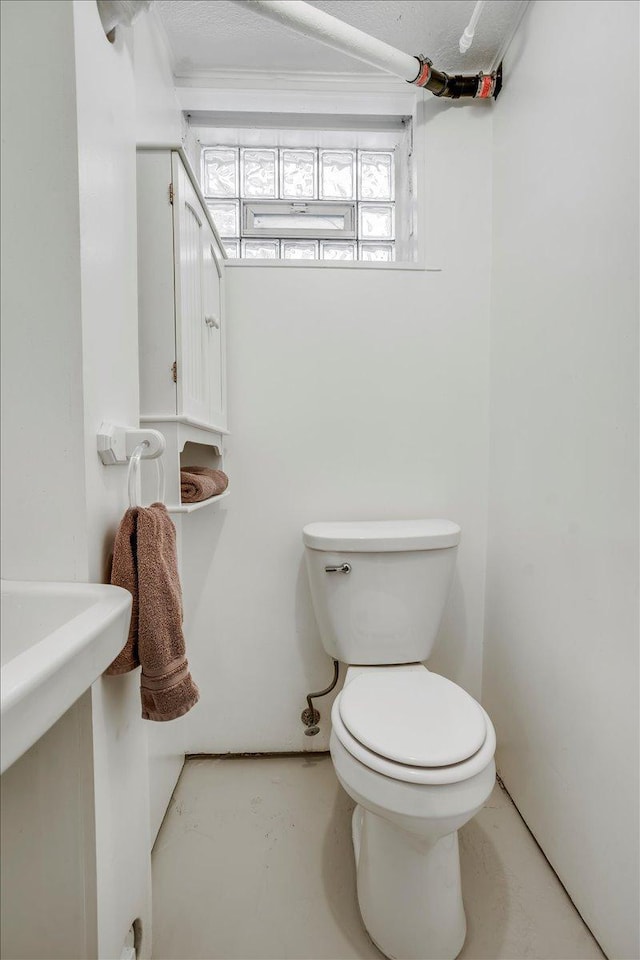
point(382, 597)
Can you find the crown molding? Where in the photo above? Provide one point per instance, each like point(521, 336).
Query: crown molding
point(290, 80)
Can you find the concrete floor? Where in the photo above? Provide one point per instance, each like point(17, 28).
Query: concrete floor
point(254, 860)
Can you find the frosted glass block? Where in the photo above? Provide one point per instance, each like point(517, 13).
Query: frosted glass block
point(377, 252)
point(225, 216)
point(298, 174)
point(376, 221)
point(260, 249)
point(375, 176)
point(299, 249)
point(337, 251)
point(220, 169)
point(232, 248)
point(337, 174)
point(259, 173)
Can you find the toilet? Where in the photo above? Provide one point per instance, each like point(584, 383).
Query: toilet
point(413, 749)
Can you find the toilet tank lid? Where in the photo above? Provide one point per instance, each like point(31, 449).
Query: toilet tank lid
point(379, 536)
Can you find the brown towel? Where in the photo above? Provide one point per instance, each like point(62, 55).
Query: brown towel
point(145, 563)
point(201, 483)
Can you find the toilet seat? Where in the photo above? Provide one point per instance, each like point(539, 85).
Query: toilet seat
point(417, 718)
point(410, 773)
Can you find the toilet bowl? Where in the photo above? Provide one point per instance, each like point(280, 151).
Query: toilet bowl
point(413, 749)
point(405, 831)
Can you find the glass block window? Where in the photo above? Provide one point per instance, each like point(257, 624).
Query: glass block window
point(306, 203)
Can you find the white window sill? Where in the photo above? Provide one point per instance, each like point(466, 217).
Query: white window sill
point(331, 265)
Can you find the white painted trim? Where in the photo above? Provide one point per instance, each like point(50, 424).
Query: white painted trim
point(291, 80)
point(199, 99)
point(386, 129)
point(329, 265)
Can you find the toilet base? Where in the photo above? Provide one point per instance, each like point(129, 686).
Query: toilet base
point(409, 890)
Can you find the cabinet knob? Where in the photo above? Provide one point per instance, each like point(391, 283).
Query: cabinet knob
point(212, 322)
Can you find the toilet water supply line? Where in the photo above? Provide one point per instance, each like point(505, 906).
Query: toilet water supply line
point(310, 715)
point(418, 70)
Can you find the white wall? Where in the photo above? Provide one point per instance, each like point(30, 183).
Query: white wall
point(158, 114)
point(125, 97)
point(106, 122)
point(353, 394)
point(43, 524)
point(561, 668)
point(69, 336)
point(70, 358)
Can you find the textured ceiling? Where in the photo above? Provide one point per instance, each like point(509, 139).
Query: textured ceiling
point(217, 34)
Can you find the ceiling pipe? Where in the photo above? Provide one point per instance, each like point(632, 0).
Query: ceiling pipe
point(467, 37)
point(314, 23)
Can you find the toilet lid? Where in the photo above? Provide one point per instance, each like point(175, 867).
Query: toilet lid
point(417, 717)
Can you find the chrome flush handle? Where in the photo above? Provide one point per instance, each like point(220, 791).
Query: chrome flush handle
point(342, 568)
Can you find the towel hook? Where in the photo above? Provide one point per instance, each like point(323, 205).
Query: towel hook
point(116, 444)
point(134, 470)
point(132, 473)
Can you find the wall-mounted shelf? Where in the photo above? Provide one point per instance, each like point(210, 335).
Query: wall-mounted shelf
point(204, 446)
point(185, 422)
point(192, 507)
point(179, 431)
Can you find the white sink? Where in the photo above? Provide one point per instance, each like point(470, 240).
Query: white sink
point(57, 638)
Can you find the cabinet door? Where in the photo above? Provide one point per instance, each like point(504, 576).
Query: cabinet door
point(192, 341)
point(212, 290)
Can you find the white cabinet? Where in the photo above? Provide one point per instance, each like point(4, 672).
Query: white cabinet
point(182, 327)
point(181, 299)
point(182, 370)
